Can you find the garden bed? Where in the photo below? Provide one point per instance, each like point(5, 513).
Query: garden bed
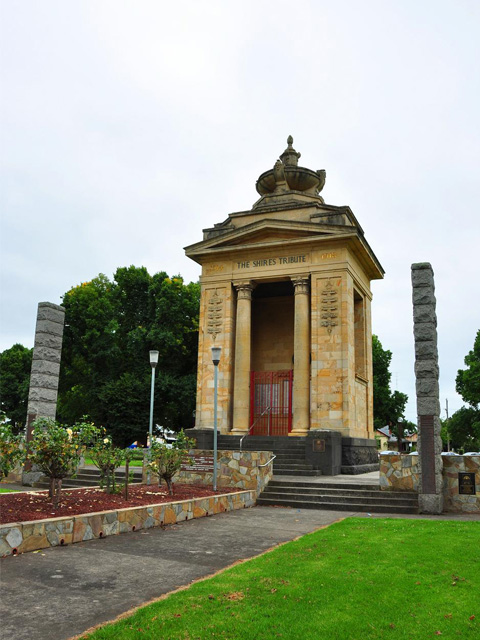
point(100, 515)
point(28, 506)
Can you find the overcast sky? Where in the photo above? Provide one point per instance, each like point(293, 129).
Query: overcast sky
point(127, 127)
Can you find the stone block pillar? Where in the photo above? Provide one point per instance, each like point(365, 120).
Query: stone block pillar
point(428, 404)
point(243, 340)
point(47, 351)
point(301, 351)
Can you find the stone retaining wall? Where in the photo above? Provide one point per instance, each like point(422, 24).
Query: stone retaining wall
point(401, 473)
point(19, 537)
point(239, 469)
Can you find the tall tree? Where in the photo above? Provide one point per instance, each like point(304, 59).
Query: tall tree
point(464, 425)
point(15, 367)
point(388, 406)
point(110, 328)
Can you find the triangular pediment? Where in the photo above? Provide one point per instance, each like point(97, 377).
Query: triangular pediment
point(266, 231)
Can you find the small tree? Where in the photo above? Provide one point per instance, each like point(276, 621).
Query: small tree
point(167, 461)
point(57, 451)
point(12, 450)
point(107, 458)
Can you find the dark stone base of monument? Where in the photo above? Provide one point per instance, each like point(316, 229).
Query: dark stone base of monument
point(323, 450)
point(359, 455)
point(203, 438)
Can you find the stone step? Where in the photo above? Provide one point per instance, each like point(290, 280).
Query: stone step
point(136, 471)
point(341, 499)
point(293, 467)
point(320, 484)
point(337, 506)
point(329, 491)
point(299, 472)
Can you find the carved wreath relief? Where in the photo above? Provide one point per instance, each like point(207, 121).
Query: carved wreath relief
point(215, 315)
point(329, 307)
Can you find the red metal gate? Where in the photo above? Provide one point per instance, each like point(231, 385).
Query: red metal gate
point(271, 402)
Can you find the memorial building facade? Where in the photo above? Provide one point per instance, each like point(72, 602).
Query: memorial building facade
point(285, 292)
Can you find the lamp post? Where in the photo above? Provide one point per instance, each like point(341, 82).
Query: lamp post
point(216, 352)
point(153, 364)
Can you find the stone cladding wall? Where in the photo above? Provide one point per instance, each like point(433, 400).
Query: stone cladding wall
point(19, 537)
point(454, 501)
point(401, 473)
point(239, 469)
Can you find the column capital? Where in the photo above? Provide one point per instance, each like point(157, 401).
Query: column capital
point(244, 290)
point(301, 284)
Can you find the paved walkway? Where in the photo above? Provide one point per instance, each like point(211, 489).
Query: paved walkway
point(60, 592)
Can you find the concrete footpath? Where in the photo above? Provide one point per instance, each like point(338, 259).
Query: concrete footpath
point(57, 593)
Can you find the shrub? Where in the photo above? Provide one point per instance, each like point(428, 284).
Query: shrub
point(12, 450)
point(57, 450)
point(165, 462)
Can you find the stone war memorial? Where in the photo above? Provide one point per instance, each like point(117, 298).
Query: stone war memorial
point(286, 295)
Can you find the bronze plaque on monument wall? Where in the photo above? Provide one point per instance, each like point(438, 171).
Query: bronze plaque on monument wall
point(319, 445)
point(466, 484)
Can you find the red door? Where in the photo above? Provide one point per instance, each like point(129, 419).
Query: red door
point(271, 402)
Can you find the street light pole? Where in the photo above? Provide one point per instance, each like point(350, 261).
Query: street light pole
point(153, 364)
point(216, 352)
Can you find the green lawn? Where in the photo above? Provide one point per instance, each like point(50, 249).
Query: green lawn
point(133, 463)
point(2, 490)
point(356, 580)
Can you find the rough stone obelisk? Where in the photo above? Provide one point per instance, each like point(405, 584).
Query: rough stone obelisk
point(47, 352)
point(430, 497)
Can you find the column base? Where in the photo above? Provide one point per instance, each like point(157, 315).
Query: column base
point(298, 433)
point(237, 432)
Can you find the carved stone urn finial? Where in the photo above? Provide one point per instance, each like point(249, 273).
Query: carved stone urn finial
point(290, 157)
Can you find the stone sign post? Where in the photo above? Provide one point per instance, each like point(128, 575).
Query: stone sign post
point(430, 497)
point(47, 351)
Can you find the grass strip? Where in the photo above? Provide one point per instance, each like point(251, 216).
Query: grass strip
point(8, 490)
point(355, 580)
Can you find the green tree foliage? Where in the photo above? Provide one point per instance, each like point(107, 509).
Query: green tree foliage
point(464, 425)
point(15, 366)
point(464, 429)
point(468, 380)
point(110, 328)
point(388, 406)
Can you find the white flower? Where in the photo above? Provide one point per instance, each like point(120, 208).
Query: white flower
point(70, 433)
point(106, 440)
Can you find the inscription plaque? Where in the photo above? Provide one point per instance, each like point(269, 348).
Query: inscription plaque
point(427, 454)
point(466, 484)
point(319, 445)
point(199, 463)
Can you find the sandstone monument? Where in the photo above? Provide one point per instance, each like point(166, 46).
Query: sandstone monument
point(286, 294)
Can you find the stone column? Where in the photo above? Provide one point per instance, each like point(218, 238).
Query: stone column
point(428, 405)
point(243, 338)
point(301, 356)
point(47, 351)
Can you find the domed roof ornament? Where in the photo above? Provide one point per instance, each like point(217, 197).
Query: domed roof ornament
point(287, 177)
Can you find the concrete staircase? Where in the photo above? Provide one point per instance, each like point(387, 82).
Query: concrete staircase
point(90, 477)
point(337, 496)
point(290, 452)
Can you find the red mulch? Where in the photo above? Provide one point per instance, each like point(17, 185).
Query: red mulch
point(26, 506)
